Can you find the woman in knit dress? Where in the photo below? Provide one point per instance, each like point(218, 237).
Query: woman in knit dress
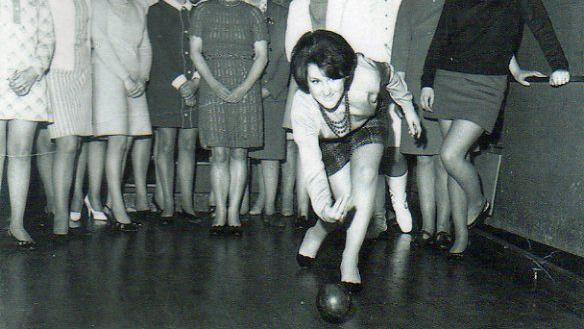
point(27, 39)
point(464, 82)
point(229, 49)
point(121, 64)
point(70, 88)
point(171, 102)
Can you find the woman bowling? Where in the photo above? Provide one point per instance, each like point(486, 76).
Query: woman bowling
point(340, 138)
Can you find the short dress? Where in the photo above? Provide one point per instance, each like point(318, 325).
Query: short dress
point(70, 91)
point(121, 49)
point(168, 28)
point(228, 31)
point(27, 40)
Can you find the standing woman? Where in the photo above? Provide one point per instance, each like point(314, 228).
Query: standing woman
point(171, 101)
point(274, 91)
point(28, 40)
point(229, 49)
point(464, 82)
point(121, 64)
point(70, 89)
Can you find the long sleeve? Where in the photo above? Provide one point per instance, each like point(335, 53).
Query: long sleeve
point(438, 45)
point(537, 18)
point(398, 89)
point(145, 55)
point(296, 25)
point(402, 38)
point(305, 131)
point(46, 39)
point(103, 49)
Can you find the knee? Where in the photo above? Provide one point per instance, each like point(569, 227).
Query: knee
point(239, 154)
point(67, 147)
point(187, 146)
point(21, 149)
point(165, 147)
point(219, 156)
point(425, 161)
point(449, 157)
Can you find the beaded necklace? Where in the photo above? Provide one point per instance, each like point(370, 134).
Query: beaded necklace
point(338, 127)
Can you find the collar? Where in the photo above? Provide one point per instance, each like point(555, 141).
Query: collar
point(188, 5)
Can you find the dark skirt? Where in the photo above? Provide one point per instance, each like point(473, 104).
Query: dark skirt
point(274, 135)
point(472, 97)
point(428, 144)
point(337, 153)
point(185, 117)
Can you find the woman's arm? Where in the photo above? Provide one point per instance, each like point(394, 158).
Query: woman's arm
point(46, 39)
point(398, 90)
point(438, 45)
point(255, 72)
point(145, 56)
point(203, 68)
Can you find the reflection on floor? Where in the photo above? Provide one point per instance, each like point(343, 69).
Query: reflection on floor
point(180, 277)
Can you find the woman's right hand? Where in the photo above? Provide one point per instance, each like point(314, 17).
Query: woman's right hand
point(220, 90)
point(427, 98)
point(338, 211)
point(133, 88)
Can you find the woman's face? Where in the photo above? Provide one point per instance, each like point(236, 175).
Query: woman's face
point(323, 89)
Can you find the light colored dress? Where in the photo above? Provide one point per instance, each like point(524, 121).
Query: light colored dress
point(121, 50)
point(69, 78)
point(26, 40)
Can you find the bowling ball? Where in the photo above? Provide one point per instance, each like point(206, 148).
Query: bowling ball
point(333, 302)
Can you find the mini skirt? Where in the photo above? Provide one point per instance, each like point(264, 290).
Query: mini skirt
point(472, 97)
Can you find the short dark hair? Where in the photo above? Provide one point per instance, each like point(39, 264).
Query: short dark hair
point(327, 50)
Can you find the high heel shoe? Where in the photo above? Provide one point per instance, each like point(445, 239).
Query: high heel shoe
point(456, 255)
point(217, 230)
point(305, 261)
point(191, 218)
point(125, 227)
point(352, 287)
point(21, 244)
point(481, 216)
point(94, 214)
point(443, 240)
point(425, 238)
point(236, 231)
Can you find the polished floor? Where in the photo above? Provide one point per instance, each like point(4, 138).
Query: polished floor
point(180, 277)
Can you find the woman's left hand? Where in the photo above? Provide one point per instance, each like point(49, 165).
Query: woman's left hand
point(236, 95)
point(559, 78)
point(22, 81)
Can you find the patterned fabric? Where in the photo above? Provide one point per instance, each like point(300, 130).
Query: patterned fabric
point(228, 32)
point(28, 40)
point(70, 91)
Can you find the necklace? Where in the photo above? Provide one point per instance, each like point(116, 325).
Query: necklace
point(338, 127)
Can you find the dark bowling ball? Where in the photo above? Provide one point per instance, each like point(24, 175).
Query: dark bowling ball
point(333, 302)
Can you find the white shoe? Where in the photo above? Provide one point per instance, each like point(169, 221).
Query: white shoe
point(403, 216)
point(94, 214)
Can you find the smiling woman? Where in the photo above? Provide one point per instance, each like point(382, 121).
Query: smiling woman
point(340, 142)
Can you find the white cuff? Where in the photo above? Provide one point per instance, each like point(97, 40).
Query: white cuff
point(179, 81)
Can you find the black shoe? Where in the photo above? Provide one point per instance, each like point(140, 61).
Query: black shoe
point(352, 287)
point(267, 219)
point(157, 207)
point(425, 238)
point(278, 221)
point(304, 261)
point(301, 222)
point(60, 238)
point(21, 244)
point(456, 255)
point(443, 240)
point(481, 216)
point(166, 221)
point(236, 231)
point(140, 215)
point(125, 227)
point(217, 230)
point(191, 218)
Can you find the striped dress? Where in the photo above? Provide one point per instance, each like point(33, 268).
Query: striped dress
point(70, 90)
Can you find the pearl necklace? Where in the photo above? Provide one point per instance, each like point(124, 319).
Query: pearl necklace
point(338, 127)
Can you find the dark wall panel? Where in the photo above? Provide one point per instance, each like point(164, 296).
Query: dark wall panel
point(541, 188)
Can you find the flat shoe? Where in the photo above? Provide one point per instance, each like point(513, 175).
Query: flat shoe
point(443, 240)
point(305, 261)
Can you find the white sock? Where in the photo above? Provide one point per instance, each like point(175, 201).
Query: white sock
point(397, 190)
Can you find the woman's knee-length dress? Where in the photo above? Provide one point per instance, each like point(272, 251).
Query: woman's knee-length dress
point(228, 31)
point(27, 40)
point(70, 77)
point(121, 50)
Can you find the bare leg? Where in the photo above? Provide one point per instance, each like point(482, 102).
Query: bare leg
point(165, 164)
point(187, 144)
point(238, 174)
point(460, 136)
point(271, 171)
point(116, 148)
point(158, 194)
point(63, 167)
point(364, 171)
point(379, 222)
point(2, 150)
point(261, 199)
point(44, 161)
point(96, 151)
point(244, 208)
point(426, 182)
point(301, 192)
point(20, 140)
point(77, 198)
point(220, 177)
point(442, 199)
point(140, 162)
point(288, 179)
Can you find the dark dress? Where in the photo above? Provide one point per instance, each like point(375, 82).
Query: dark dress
point(228, 32)
point(275, 79)
point(468, 59)
point(168, 30)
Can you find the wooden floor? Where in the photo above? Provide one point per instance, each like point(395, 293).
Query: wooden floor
point(180, 277)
